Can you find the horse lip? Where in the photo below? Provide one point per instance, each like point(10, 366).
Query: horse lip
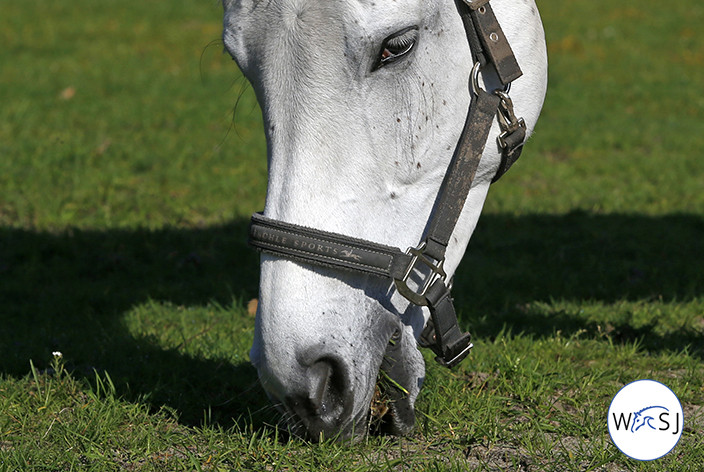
point(315, 429)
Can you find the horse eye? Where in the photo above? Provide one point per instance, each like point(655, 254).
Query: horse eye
point(396, 46)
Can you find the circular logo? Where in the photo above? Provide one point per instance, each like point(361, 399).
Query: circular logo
point(645, 420)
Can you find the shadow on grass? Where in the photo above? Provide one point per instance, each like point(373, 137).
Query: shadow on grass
point(70, 292)
point(72, 289)
point(581, 257)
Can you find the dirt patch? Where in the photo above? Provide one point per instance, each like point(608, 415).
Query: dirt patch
point(499, 457)
point(693, 418)
point(480, 380)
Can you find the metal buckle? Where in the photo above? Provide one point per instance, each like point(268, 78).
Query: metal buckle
point(508, 121)
point(455, 360)
point(437, 272)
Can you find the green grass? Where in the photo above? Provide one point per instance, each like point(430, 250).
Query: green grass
point(126, 182)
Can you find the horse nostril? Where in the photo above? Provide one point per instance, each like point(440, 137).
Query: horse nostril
point(325, 407)
point(320, 377)
point(328, 388)
point(321, 399)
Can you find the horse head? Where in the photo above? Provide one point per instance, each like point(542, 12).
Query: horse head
point(641, 418)
point(363, 102)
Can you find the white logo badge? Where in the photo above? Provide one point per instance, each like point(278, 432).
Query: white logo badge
point(645, 420)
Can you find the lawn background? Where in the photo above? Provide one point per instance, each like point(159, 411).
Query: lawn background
point(127, 175)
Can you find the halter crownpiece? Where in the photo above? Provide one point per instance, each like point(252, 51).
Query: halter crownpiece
point(442, 334)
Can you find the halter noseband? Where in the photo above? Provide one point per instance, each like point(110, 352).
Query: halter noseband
point(442, 334)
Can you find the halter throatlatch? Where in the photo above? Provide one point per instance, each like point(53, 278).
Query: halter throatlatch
point(418, 273)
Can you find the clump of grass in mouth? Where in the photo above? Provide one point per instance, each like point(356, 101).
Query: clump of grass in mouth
point(379, 405)
point(380, 408)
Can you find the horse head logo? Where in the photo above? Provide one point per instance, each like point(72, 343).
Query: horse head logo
point(349, 254)
point(644, 417)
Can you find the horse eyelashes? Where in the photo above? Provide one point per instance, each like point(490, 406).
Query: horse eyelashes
point(401, 42)
point(396, 46)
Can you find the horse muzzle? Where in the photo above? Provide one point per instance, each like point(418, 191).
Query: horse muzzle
point(335, 395)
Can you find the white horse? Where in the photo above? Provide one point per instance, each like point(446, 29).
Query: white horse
point(363, 102)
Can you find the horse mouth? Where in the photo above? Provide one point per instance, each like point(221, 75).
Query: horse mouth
point(388, 415)
point(391, 410)
point(391, 407)
point(342, 404)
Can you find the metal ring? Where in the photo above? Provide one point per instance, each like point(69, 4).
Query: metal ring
point(474, 81)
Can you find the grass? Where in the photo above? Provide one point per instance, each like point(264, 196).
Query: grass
point(126, 182)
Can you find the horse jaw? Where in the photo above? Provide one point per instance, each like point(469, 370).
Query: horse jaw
point(361, 152)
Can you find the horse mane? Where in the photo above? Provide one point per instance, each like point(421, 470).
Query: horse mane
point(647, 408)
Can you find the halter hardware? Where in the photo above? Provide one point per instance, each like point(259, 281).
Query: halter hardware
point(489, 47)
point(474, 82)
point(437, 272)
point(508, 121)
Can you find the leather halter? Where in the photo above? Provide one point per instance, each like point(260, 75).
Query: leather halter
point(442, 334)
